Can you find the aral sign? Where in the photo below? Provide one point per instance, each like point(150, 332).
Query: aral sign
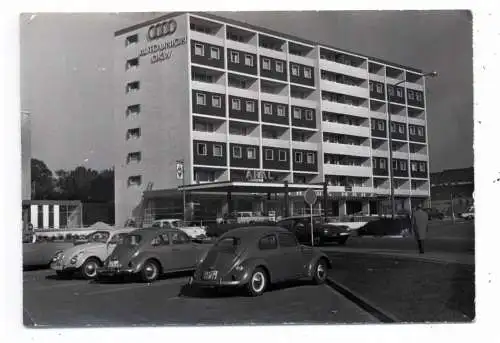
point(258, 176)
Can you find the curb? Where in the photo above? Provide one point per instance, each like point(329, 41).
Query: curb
point(377, 312)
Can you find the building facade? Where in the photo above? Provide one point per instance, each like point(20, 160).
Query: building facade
point(250, 111)
point(452, 189)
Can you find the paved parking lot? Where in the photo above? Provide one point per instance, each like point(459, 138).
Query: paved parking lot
point(51, 302)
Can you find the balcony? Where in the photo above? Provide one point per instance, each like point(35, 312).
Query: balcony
point(248, 140)
point(343, 69)
point(401, 191)
point(346, 149)
point(302, 60)
point(305, 145)
point(420, 192)
point(414, 86)
point(418, 156)
point(304, 103)
point(416, 121)
point(339, 169)
point(209, 136)
point(376, 77)
point(206, 38)
point(380, 153)
point(241, 92)
point(398, 118)
point(400, 154)
point(352, 130)
point(272, 53)
point(241, 46)
point(381, 190)
point(378, 115)
point(337, 87)
point(277, 143)
point(337, 107)
point(208, 87)
point(270, 97)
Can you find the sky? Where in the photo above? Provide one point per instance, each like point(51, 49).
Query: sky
point(66, 73)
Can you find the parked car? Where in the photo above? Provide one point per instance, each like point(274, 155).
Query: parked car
point(468, 214)
point(434, 213)
point(195, 232)
point(41, 253)
point(86, 258)
point(255, 257)
point(150, 252)
point(323, 231)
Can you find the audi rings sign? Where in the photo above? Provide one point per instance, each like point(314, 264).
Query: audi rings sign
point(162, 29)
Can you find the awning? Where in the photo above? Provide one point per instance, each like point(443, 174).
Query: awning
point(247, 187)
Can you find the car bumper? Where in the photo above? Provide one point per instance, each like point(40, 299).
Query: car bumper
point(59, 267)
point(214, 283)
point(111, 272)
point(334, 236)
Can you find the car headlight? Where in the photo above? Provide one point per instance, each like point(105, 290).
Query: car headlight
point(58, 256)
point(74, 259)
point(239, 268)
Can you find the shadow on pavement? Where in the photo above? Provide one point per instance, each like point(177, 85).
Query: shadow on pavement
point(135, 279)
point(462, 293)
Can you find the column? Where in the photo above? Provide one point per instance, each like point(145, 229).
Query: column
point(366, 207)
point(325, 198)
point(407, 204)
point(34, 216)
point(229, 203)
point(342, 208)
point(287, 201)
point(45, 216)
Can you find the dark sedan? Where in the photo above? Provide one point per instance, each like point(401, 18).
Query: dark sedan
point(323, 231)
point(254, 257)
point(148, 253)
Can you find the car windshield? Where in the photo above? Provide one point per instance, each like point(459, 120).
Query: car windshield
point(130, 240)
point(99, 237)
point(228, 245)
point(178, 224)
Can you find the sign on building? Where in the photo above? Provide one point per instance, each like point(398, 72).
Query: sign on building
point(179, 170)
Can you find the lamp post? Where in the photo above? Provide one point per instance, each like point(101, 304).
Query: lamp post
point(391, 176)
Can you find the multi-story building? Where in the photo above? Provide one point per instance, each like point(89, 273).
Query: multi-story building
point(251, 111)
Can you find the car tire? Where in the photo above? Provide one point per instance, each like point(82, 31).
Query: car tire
point(88, 270)
point(150, 271)
point(258, 282)
point(320, 272)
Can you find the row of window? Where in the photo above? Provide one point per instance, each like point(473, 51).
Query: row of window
point(412, 95)
point(400, 165)
point(297, 113)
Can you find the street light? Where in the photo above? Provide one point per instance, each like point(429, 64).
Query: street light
point(391, 176)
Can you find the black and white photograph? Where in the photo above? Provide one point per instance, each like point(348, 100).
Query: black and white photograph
point(234, 168)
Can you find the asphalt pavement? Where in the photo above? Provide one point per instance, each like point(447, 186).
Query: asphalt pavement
point(50, 302)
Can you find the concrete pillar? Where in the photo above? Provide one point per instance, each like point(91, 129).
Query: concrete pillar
point(366, 207)
point(342, 208)
point(287, 201)
point(45, 209)
point(229, 203)
point(258, 205)
point(407, 204)
point(56, 216)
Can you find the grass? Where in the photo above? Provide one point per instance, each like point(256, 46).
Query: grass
point(412, 291)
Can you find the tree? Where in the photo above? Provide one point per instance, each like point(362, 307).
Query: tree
point(42, 180)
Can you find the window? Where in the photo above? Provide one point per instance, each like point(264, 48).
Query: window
point(307, 73)
point(394, 165)
point(393, 127)
point(279, 66)
point(374, 123)
point(236, 104)
point(379, 88)
point(382, 164)
point(249, 60)
point(282, 155)
point(214, 53)
point(236, 151)
point(268, 243)
point(371, 86)
point(132, 63)
point(251, 154)
point(250, 106)
point(414, 167)
point(422, 167)
point(399, 92)
point(133, 109)
point(374, 162)
point(201, 99)
point(133, 133)
point(134, 157)
point(287, 240)
point(402, 165)
point(401, 129)
point(164, 239)
point(297, 113)
point(131, 40)
point(411, 95)
point(412, 130)
point(199, 49)
point(218, 150)
point(266, 64)
point(268, 109)
point(298, 157)
point(216, 101)
point(419, 96)
point(179, 237)
point(134, 181)
point(310, 158)
point(295, 70)
point(421, 131)
point(309, 115)
point(235, 57)
point(133, 86)
point(269, 154)
point(381, 125)
point(201, 148)
point(281, 110)
point(390, 90)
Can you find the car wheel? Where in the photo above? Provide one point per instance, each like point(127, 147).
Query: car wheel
point(343, 240)
point(257, 283)
point(150, 271)
point(89, 268)
point(320, 272)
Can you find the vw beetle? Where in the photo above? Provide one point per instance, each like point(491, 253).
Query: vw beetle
point(87, 258)
point(255, 257)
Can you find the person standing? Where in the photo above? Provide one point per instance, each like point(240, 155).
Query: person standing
point(420, 224)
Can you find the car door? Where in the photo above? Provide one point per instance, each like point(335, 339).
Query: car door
point(290, 256)
point(268, 249)
point(184, 254)
point(160, 248)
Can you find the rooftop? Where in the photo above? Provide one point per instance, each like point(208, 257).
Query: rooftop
point(260, 29)
point(453, 176)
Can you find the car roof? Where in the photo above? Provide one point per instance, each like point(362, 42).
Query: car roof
point(254, 231)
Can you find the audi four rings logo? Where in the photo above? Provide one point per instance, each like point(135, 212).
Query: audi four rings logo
point(162, 29)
